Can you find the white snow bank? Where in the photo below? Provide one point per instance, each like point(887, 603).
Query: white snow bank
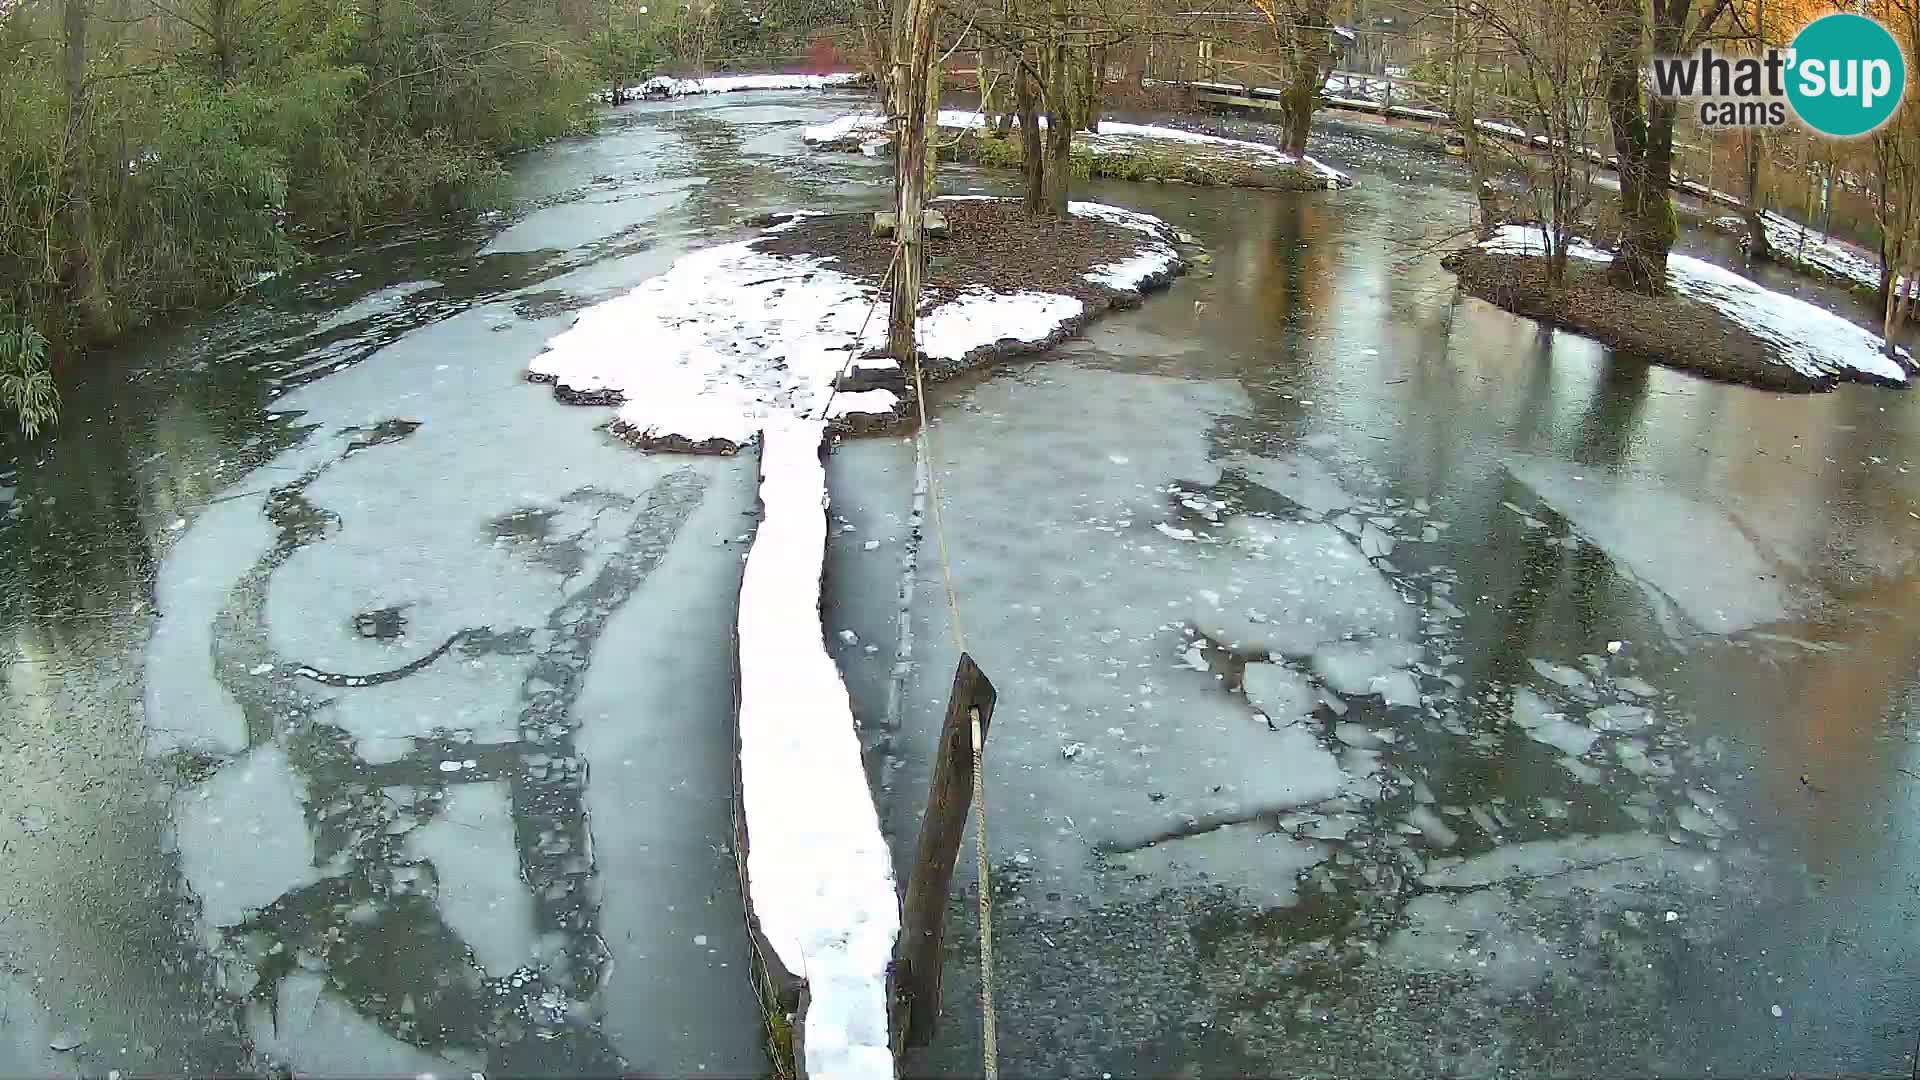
point(730, 337)
point(668, 86)
point(819, 878)
point(727, 337)
point(1113, 138)
point(1810, 340)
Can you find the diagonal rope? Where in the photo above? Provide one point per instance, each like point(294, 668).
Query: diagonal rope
point(989, 1037)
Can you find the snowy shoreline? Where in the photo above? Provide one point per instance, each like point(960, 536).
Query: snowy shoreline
point(869, 134)
point(735, 335)
point(662, 87)
point(1801, 347)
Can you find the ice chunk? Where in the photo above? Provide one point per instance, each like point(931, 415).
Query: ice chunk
point(1531, 712)
point(1279, 691)
point(1436, 831)
point(1571, 678)
point(1620, 718)
point(1299, 478)
point(1367, 667)
point(1262, 863)
point(255, 805)
point(471, 846)
point(1729, 586)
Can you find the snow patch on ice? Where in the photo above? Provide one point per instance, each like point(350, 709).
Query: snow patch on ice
point(819, 877)
point(731, 336)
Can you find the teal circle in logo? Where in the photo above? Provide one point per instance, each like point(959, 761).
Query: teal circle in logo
point(1847, 75)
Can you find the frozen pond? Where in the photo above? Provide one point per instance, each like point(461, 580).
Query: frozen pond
point(1387, 686)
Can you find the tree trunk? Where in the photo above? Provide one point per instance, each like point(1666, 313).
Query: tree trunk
point(82, 272)
point(913, 66)
point(221, 17)
point(1643, 141)
point(1758, 248)
point(1032, 160)
point(1059, 118)
point(1310, 53)
point(1093, 74)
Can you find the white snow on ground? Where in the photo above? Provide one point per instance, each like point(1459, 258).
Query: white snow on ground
point(1723, 585)
point(957, 327)
point(1113, 138)
point(668, 86)
point(1810, 340)
point(1817, 251)
point(730, 336)
point(818, 873)
point(726, 337)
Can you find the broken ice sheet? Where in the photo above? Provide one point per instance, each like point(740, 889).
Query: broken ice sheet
point(1317, 586)
point(255, 803)
point(1247, 856)
point(1542, 723)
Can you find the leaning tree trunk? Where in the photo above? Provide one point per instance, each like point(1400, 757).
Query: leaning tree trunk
point(1033, 162)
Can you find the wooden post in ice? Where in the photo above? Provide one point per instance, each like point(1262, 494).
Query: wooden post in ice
point(923, 920)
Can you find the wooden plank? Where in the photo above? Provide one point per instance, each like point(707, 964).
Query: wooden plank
point(918, 960)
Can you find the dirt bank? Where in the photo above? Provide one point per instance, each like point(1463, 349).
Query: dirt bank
point(991, 250)
point(1673, 330)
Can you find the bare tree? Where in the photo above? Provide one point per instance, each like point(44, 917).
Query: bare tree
point(1643, 127)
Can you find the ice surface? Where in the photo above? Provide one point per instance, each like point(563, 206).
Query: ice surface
point(319, 1034)
point(1371, 666)
point(1264, 865)
point(481, 896)
point(186, 706)
point(1511, 915)
point(1532, 713)
point(818, 872)
point(1300, 478)
point(1074, 605)
point(254, 805)
point(1723, 585)
point(1304, 585)
point(661, 806)
point(1280, 692)
point(1112, 138)
point(475, 698)
point(1811, 340)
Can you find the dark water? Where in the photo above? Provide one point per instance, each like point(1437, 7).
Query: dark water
point(365, 709)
